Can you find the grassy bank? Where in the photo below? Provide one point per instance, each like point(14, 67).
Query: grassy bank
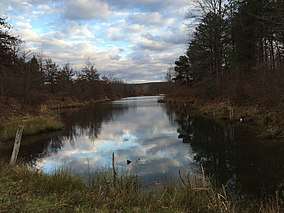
point(23, 190)
point(32, 125)
point(266, 122)
point(70, 103)
point(40, 118)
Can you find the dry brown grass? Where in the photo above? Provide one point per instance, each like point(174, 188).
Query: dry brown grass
point(26, 190)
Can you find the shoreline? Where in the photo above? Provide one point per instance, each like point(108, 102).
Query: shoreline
point(33, 125)
point(266, 123)
point(42, 119)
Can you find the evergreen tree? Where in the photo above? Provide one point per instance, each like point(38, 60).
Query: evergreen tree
point(206, 49)
point(183, 70)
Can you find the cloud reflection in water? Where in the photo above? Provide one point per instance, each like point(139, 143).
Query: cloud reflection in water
point(142, 134)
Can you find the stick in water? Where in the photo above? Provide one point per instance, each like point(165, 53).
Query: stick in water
point(113, 170)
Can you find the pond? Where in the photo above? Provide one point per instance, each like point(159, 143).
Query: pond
point(159, 141)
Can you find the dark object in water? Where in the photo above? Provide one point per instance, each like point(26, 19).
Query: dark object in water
point(128, 162)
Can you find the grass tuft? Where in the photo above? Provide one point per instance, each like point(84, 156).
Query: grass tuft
point(32, 125)
point(29, 190)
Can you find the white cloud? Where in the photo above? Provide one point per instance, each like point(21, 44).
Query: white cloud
point(132, 40)
point(85, 9)
point(149, 19)
point(25, 24)
point(135, 28)
point(114, 33)
point(73, 30)
point(146, 5)
point(152, 45)
point(114, 57)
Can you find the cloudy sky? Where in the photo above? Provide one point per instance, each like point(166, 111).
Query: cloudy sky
point(134, 40)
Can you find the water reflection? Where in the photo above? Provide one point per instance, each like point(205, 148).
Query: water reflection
point(231, 155)
point(135, 129)
point(159, 140)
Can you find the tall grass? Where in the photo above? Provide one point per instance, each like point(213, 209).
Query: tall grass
point(24, 190)
point(32, 125)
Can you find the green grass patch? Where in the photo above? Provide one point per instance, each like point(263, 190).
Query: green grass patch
point(26, 190)
point(32, 125)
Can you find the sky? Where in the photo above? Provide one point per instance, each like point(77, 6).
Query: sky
point(133, 40)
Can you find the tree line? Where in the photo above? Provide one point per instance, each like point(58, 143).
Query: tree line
point(236, 51)
point(32, 78)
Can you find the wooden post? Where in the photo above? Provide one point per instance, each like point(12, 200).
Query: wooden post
point(17, 144)
point(113, 170)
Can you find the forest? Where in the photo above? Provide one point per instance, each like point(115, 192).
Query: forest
point(30, 79)
point(236, 53)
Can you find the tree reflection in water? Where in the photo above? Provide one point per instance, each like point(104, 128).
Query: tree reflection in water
point(90, 120)
point(231, 155)
point(42, 145)
point(228, 153)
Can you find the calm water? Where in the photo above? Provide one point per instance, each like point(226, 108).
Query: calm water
point(159, 141)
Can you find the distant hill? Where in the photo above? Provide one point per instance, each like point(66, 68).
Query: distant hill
point(152, 88)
